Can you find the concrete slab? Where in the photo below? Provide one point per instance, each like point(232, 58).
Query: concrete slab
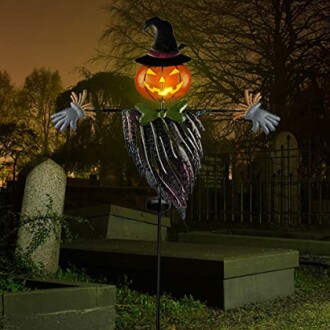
point(210, 272)
point(116, 222)
point(94, 318)
point(304, 246)
point(242, 290)
point(60, 306)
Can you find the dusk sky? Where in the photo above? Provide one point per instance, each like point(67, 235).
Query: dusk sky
point(55, 34)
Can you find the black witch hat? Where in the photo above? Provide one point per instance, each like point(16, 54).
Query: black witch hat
point(164, 51)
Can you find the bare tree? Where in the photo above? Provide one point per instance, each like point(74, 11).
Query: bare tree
point(38, 99)
point(272, 46)
point(17, 145)
point(7, 98)
point(99, 144)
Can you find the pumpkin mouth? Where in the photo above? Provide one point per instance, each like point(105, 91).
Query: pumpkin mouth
point(164, 91)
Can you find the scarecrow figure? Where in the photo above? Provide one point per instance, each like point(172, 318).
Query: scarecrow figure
point(165, 144)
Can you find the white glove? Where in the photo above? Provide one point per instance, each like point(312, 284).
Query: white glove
point(70, 116)
point(262, 119)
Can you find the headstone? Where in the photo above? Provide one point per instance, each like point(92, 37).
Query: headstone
point(44, 194)
point(215, 170)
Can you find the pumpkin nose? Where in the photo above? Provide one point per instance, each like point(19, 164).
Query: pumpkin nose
point(162, 80)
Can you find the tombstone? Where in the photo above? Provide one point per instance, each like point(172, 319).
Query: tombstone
point(285, 164)
point(44, 194)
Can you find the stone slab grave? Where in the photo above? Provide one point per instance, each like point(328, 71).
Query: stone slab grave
point(116, 222)
point(223, 276)
point(304, 246)
point(53, 305)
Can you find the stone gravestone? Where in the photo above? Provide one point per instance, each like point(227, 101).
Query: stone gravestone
point(44, 194)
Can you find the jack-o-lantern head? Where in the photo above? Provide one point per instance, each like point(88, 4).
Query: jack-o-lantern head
point(163, 83)
point(162, 76)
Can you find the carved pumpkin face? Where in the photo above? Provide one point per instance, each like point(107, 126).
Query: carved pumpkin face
point(163, 83)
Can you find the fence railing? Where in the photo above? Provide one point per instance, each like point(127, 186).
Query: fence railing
point(281, 187)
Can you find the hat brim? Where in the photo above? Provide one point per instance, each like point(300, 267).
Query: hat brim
point(155, 61)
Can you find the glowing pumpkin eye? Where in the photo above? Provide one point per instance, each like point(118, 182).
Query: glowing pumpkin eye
point(149, 71)
point(174, 71)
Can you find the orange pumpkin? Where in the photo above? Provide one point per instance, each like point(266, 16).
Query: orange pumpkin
point(163, 83)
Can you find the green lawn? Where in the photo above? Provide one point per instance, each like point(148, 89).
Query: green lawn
point(308, 308)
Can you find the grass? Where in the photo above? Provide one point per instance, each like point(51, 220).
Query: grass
point(308, 308)
point(10, 284)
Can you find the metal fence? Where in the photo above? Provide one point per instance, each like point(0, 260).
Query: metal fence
point(4, 201)
point(5, 221)
point(283, 187)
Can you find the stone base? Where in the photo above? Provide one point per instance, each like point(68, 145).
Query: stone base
point(257, 288)
point(224, 276)
point(116, 222)
point(64, 306)
point(304, 246)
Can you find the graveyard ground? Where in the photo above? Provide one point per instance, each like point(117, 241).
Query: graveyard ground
point(308, 308)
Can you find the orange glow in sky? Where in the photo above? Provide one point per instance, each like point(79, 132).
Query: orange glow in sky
point(55, 34)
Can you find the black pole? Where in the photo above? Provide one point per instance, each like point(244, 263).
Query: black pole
point(203, 111)
point(159, 238)
point(159, 206)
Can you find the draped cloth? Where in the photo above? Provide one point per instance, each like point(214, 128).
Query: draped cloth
point(166, 153)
